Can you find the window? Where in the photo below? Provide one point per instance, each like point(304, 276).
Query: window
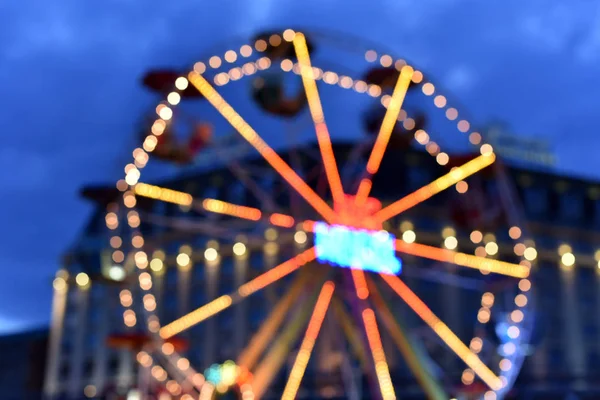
point(571, 206)
point(536, 200)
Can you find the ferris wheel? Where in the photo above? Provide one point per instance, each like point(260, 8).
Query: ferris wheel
point(346, 271)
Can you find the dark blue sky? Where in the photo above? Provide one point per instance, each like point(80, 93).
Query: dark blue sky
point(69, 71)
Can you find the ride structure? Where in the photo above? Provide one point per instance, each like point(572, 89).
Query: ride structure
point(346, 228)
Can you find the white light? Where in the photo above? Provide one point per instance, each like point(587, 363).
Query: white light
point(116, 273)
point(239, 249)
point(183, 260)
point(300, 237)
point(450, 242)
point(181, 83)
point(210, 254)
point(409, 236)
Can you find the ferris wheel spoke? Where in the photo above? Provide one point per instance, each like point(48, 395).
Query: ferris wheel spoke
point(261, 340)
point(381, 367)
point(411, 355)
point(223, 302)
point(462, 259)
point(385, 132)
point(308, 343)
point(443, 331)
point(261, 146)
point(280, 349)
point(435, 187)
point(316, 112)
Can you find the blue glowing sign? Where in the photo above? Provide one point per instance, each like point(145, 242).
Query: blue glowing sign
point(352, 248)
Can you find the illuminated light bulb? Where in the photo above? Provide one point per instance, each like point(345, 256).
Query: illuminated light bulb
point(509, 348)
point(491, 248)
point(487, 300)
point(90, 391)
point(463, 126)
point(568, 259)
point(524, 285)
point(275, 40)
point(448, 231)
point(246, 50)
point(406, 226)
point(517, 316)
point(374, 90)
point(59, 284)
point(360, 86)
point(442, 158)
point(271, 234)
point(116, 273)
point(417, 76)
point(82, 279)
point(137, 242)
point(385, 60)
point(409, 236)
point(118, 256)
point(214, 62)
point(210, 254)
point(183, 364)
point(564, 248)
point(475, 138)
point(519, 249)
point(462, 187)
point(287, 65)
point(451, 114)
point(300, 237)
point(468, 376)
point(483, 315)
point(476, 237)
point(288, 35)
point(476, 345)
point(514, 232)
point(428, 89)
point(174, 98)
point(530, 254)
point(230, 56)
point(239, 249)
point(513, 332)
point(409, 124)
point(346, 82)
point(480, 251)
point(260, 45)
point(165, 113)
point(489, 395)
point(450, 243)
point(486, 149)
point(156, 265)
point(236, 73)
point(249, 68)
point(168, 348)
point(521, 300)
point(183, 260)
point(181, 83)
point(399, 64)
point(371, 55)
point(199, 67)
point(439, 101)
point(122, 185)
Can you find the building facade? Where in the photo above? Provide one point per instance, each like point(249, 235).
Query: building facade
point(563, 219)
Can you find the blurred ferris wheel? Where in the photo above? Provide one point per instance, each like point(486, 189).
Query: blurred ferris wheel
point(351, 267)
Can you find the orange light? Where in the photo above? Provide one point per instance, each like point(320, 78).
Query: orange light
point(462, 259)
point(278, 272)
point(381, 367)
point(256, 141)
point(195, 317)
point(282, 220)
point(245, 290)
point(391, 116)
point(363, 191)
point(360, 283)
point(435, 187)
point(443, 331)
point(163, 194)
point(222, 207)
point(316, 111)
point(308, 343)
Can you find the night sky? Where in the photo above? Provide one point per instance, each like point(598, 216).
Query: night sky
point(69, 73)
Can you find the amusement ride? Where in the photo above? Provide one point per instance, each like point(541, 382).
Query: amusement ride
point(348, 268)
